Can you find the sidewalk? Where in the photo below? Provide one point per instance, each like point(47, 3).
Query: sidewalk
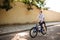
point(19, 28)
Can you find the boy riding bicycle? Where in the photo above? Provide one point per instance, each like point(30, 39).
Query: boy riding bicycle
point(42, 20)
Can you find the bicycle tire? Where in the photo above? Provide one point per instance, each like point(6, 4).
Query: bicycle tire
point(44, 32)
point(35, 32)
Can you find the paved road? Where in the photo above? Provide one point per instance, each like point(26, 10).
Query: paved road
point(53, 33)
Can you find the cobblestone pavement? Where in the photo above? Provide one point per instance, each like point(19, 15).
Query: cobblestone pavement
point(53, 33)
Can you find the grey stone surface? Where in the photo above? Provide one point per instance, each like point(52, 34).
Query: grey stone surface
point(53, 33)
point(15, 28)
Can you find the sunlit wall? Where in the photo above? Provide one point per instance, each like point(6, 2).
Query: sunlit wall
point(20, 14)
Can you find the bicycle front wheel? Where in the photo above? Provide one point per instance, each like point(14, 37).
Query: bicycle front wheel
point(33, 32)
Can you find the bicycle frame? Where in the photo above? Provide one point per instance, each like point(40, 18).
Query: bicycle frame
point(37, 28)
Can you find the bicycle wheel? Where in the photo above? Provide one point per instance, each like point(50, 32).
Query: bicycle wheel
point(44, 30)
point(33, 32)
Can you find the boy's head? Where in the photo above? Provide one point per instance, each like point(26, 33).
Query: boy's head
point(41, 11)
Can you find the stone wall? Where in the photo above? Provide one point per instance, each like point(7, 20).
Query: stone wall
point(20, 14)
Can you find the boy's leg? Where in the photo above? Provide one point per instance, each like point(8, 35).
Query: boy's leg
point(41, 26)
point(45, 25)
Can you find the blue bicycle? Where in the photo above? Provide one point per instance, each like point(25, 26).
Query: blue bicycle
point(34, 31)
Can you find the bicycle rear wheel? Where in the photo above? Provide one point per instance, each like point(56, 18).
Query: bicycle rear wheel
point(44, 30)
